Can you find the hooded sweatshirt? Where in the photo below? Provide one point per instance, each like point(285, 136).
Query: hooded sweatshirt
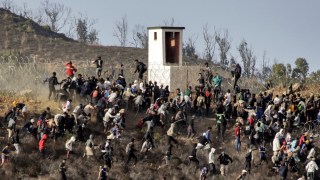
point(312, 166)
point(42, 142)
point(70, 142)
point(211, 156)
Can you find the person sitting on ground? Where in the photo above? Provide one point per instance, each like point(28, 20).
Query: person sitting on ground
point(5, 154)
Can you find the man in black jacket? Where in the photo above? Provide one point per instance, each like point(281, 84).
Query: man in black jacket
point(140, 68)
point(224, 161)
point(236, 74)
point(52, 82)
point(99, 64)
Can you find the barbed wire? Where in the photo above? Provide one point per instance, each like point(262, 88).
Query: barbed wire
point(27, 72)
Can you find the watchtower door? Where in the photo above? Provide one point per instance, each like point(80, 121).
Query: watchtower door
point(172, 42)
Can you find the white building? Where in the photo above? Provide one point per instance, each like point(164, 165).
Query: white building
point(165, 58)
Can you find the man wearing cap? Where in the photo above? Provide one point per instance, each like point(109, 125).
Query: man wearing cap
point(99, 64)
point(52, 82)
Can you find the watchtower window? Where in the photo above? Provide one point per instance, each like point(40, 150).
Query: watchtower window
point(155, 36)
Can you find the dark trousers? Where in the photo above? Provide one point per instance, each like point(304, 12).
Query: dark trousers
point(248, 166)
point(212, 169)
point(193, 159)
point(236, 78)
point(141, 75)
point(42, 153)
point(170, 139)
point(52, 90)
point(63, 175)
point(132, 155)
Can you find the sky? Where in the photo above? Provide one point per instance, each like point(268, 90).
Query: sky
point(285, 30)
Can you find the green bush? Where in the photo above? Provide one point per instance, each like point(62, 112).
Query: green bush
point(46, 27)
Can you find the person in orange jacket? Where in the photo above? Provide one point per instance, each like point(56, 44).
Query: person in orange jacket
point(70, 69)
point(42, 145)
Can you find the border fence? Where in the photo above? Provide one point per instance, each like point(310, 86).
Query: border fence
point(19, 73)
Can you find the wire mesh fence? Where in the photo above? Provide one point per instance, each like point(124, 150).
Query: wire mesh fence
point(18, 73)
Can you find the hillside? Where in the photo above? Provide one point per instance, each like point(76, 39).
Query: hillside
point(29, 38)
point(26, 36)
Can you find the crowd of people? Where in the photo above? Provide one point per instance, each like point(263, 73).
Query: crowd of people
point(265, 121)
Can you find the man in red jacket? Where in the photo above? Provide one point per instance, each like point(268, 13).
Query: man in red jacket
point(42, 145)
point(70, 69)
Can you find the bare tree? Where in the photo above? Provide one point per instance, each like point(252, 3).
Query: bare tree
point(189, 48)
point(248, 59)
point(224, 43)
point(57, 15)
point(82, 30)
point(121, 31)
point(85, 31)
point(7, 5)
point(140, 36)
point(26, 12)
point(210, 44)
point(232, 60)
point(169, 22)
point(266, 70)
point(93, 37)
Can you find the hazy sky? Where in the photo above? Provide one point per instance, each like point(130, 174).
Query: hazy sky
point(285, 29)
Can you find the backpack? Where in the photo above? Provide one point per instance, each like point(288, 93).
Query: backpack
point(142, 67)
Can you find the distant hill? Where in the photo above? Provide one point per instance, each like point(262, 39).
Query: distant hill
point(29, 38)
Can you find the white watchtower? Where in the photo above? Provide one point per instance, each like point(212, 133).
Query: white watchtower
point(165, 58)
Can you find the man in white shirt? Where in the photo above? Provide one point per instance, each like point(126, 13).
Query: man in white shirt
point(311, 167)
point(211, 161)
